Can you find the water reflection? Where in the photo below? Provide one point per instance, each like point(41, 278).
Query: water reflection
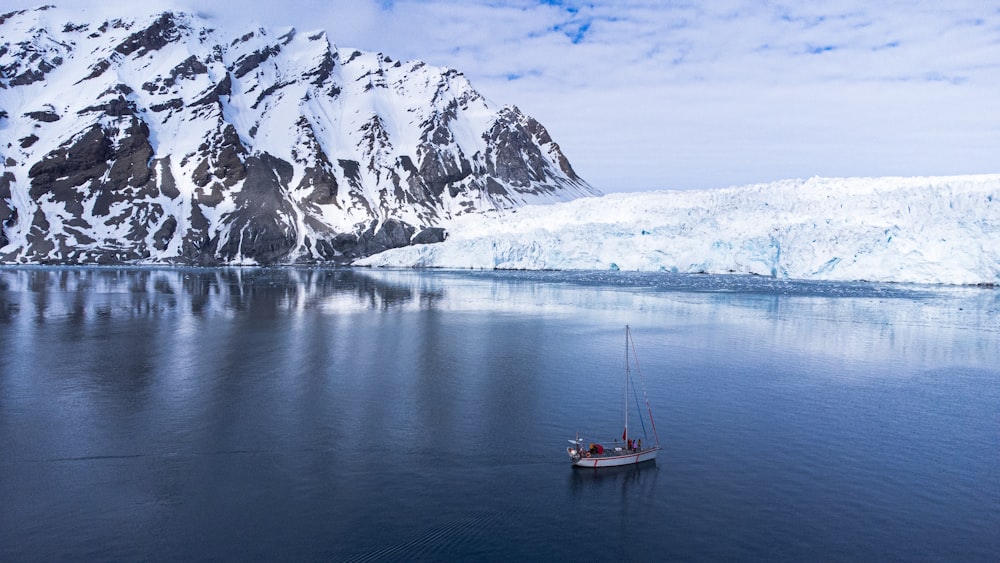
point(81, 293)
point(849, 321)
point(291, 289)
point(634, 478)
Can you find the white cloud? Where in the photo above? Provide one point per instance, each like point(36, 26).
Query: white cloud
point(650, 94)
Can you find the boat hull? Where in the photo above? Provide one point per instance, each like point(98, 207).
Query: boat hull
point(616, 460)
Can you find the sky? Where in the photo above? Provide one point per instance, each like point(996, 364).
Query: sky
point(662, 94)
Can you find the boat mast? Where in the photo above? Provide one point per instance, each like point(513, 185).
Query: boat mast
point(627, 374)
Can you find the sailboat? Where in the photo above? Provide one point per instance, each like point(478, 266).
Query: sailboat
point(630, 450)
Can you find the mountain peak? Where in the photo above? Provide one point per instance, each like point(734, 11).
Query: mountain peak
point(160, 138)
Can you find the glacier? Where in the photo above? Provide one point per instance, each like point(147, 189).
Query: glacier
point(925, 230)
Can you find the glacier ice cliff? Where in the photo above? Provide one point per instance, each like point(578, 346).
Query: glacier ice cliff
point(939, 230)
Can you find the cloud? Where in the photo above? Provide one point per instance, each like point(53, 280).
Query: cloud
point(652, 94)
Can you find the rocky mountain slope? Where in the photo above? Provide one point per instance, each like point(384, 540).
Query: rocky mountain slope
point(171, 139)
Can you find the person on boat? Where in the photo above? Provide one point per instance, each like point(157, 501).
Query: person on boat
point(638, 445)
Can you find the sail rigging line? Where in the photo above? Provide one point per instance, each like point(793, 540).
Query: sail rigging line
point(642, 382)
point(638, 409)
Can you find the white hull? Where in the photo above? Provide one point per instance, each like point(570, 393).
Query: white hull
point(616, 459)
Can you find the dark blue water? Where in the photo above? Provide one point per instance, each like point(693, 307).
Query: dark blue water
point(340, 415)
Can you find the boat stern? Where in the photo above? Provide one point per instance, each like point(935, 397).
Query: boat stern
point(574, 450)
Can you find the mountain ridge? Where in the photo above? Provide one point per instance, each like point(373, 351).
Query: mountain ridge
point(161, 139)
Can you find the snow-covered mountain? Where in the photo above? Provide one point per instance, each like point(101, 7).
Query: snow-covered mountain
point(920, 230)
point(172, 139)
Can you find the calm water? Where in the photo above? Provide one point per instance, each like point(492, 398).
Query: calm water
point(379, 415)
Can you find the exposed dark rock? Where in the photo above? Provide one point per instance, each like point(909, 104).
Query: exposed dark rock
point(165, 233)
point(321, 74)
point(197, 246)
point(262, 228)
point(8, 15)
point(323, 185)
point(116, 107)
point(153, 38)
point(319, 180)
point(123, 89)
point(345, 245)
point(8, 213)
point(60, 172)
point(43, 116)
point(514, 157)
point(168, 185)
point(247, 63)
point(36, 74)
point(223, 88)
point(188, 68)
point(437, 174)
point(132, 156)
point(354, 55)
point(31, 60)
point(175, 103)
point(39, 243)
point(494, 188)
point(352, 170)
point(392, 233)
point(228, 167)
point(101, 168)
point(268, 91)
point(222, 162)
point(430, 235)
point(97, 69)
